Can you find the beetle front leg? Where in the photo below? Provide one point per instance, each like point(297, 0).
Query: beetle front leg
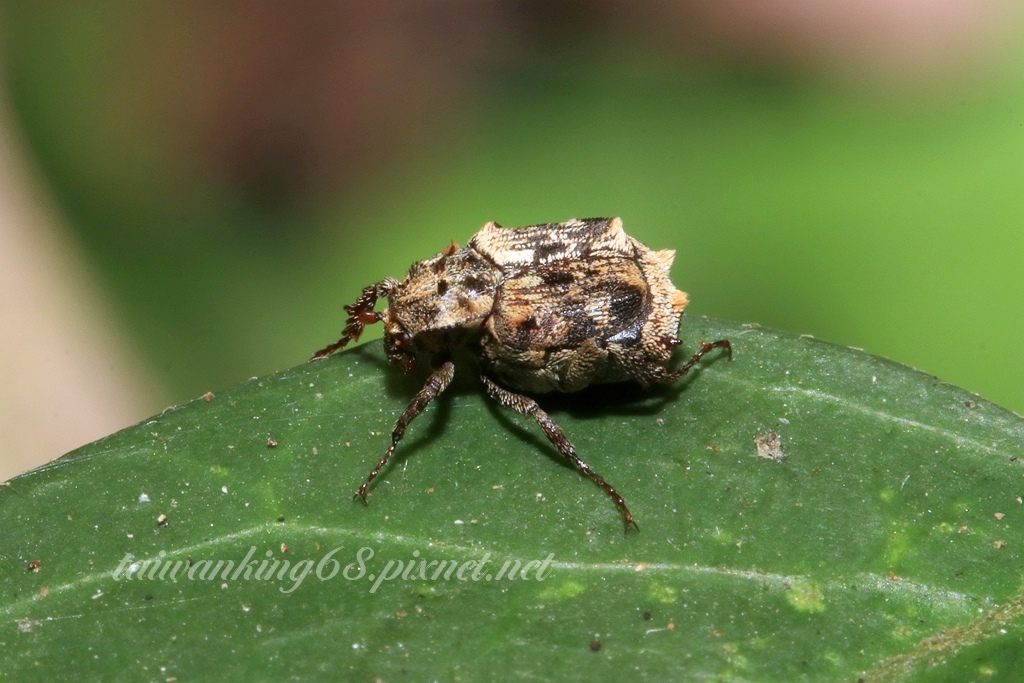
point(434, 387)
point(360, 314)
point(527, 406)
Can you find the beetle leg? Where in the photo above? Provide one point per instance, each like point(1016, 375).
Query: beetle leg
point(360, 314)
point(434, 387)
point(705, 347)
point(527, 406)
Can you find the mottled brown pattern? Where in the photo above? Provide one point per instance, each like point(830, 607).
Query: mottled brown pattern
point(552, 307)
point(566, 303)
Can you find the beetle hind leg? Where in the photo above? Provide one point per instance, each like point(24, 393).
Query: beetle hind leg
point(705, 347)
point(527, 406)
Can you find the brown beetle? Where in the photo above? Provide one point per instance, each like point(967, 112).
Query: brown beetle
point(553, 307)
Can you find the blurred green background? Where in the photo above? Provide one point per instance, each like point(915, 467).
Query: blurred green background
point(237, 173)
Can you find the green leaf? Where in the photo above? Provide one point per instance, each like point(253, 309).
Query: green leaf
point(887, 544)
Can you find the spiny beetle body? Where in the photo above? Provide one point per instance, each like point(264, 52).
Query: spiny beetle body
point(552, 307)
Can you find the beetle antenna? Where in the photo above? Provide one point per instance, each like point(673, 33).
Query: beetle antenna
point(360, 314)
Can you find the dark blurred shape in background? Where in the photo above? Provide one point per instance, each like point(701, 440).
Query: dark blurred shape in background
point(232, 173)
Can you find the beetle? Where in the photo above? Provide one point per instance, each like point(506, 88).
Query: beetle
point(550, 307)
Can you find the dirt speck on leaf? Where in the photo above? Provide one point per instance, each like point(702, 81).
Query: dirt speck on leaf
point(769, 446)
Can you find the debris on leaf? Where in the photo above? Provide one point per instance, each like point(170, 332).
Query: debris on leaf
point(769, 446)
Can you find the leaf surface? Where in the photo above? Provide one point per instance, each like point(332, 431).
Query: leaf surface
point(885, 545)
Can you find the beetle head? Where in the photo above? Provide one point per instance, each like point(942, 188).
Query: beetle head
point(398, 344)
point(441, 304)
